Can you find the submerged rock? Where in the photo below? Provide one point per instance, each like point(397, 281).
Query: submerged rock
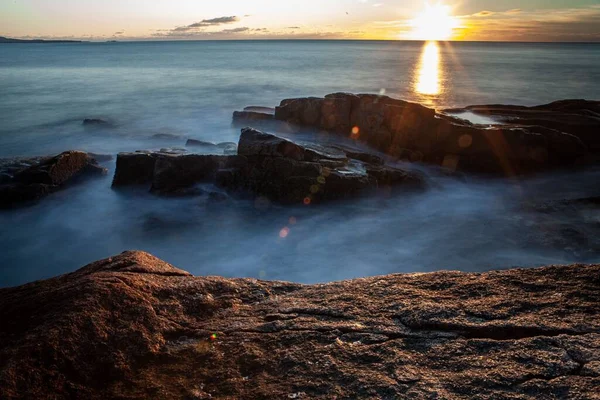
point(95, 122)
point(558, 135)
point(269, 166)
point(27, 180)
point(125, 326)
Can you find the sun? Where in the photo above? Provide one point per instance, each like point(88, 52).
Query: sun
point(434, 23)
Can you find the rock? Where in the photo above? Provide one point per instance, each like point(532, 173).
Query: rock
point(199, 143)
point(28, 180)
point(96, 122)
point(266, 165)
point(134, 169)
point(125, 326)
point(260, 109)
point(243, 117)
point(171, 173)
point(580, 118)
point(560, 135)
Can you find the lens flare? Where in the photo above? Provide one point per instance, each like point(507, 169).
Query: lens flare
point(284, 232)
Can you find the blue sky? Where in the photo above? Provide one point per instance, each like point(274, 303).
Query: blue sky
point(532, 20)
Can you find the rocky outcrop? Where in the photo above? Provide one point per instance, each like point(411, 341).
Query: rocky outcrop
point(564, 137)
point(26, 180)
point(580, 118)
point(268, 166)
point(135, 327)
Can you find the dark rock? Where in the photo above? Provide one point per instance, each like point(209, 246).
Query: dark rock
point(260, 109)
point(134, 169)
point(96, 122)
point(243, 117)
point(171, 173)
point(559, 136)
point(125, 326)
point(199, 143)
point(268, 166)
point(32, 179)
point(580, 118)
point(289, 172)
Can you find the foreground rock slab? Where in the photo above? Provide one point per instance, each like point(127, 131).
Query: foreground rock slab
point(135, 327)
point(23, 181)
point(526, 140)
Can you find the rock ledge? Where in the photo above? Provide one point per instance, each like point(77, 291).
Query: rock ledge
point(133, 326)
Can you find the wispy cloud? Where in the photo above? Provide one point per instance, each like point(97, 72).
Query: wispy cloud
point(205, 23)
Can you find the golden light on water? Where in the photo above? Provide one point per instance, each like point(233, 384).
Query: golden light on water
point(429, 70)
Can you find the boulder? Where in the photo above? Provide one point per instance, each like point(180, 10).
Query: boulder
point(552, 136)
point(266, 165)
point(243, 117)
point(27, 180)
point(579, 118)
point(125, 326)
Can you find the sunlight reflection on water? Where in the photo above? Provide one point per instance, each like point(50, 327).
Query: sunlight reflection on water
point(428, 72)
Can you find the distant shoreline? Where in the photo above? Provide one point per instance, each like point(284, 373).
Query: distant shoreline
point(9, 40)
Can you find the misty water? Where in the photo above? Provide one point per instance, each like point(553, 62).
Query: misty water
point(190, 89)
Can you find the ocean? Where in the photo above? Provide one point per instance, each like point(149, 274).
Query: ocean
point(190, 89)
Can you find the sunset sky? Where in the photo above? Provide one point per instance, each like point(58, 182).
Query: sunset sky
point(506, 20)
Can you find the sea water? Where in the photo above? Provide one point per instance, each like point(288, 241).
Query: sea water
point(190, 89)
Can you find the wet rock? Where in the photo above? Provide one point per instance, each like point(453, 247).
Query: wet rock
point(554, 136)
point(124, 326)
point(289, 172)
point(243, 117)
point(27, 180)
point(96, 122)
point(134, 169)
point(580, 118)
point(260, 109)
point(171, 173)
point(266, 165)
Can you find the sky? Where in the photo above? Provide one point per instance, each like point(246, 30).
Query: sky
point(495, 20)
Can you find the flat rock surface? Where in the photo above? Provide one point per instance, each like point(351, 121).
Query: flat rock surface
point(135, 327)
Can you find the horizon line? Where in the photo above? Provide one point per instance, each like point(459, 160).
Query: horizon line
point(116, 39)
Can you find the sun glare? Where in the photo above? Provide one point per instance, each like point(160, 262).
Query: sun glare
point(434, 23)
point(428, 75)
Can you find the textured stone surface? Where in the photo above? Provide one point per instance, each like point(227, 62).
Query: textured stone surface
point(267, 166)
point(526, 140)
point(133, 326)
point(23, 181)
